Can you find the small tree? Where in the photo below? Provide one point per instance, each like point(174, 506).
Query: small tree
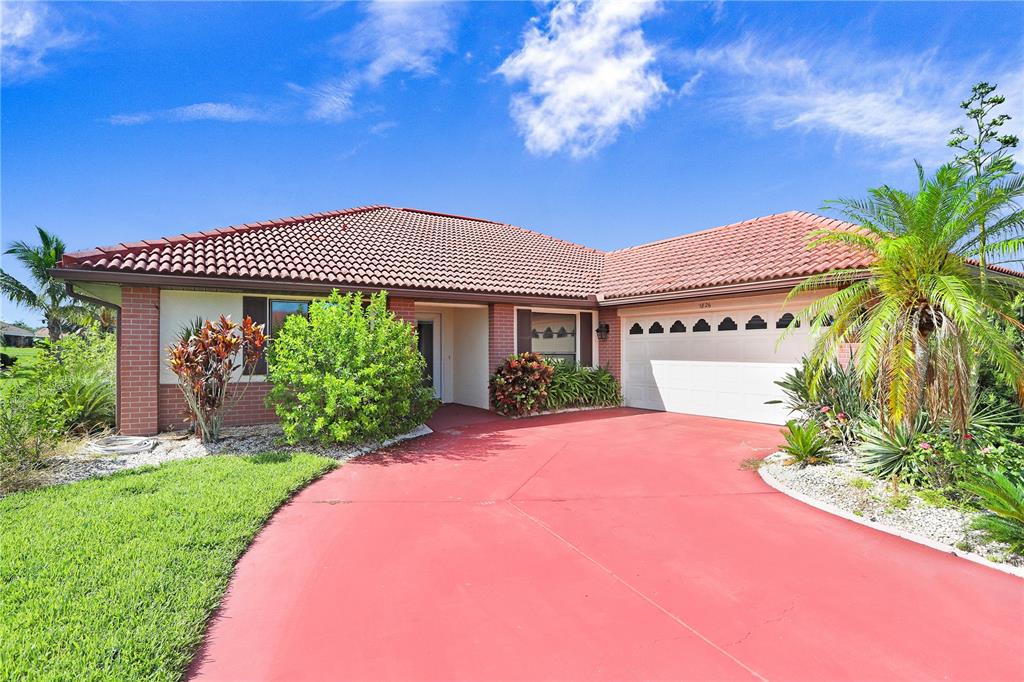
point(205, 362)
point(349, 373)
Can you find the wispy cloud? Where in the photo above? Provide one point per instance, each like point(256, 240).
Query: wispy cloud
point(393, 37)
point(898, 106)
point(589, 71)
point(203, 111)
point(29, 33)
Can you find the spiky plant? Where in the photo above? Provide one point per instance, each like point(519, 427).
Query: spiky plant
point(919, 312)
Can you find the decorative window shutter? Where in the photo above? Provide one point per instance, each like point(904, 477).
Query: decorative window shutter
point(256, 308)
point(586, 335)
point(524, 325)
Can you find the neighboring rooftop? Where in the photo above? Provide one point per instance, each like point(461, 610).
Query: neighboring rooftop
point(381, 246)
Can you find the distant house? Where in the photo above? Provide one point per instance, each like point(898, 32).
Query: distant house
point(15, 336)
point(42, 333)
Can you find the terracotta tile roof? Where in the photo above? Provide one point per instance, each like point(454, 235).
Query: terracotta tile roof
point(380, 246)
point(372, 246)
point(772, 247)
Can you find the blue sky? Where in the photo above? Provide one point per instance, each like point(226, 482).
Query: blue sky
point(609, 125)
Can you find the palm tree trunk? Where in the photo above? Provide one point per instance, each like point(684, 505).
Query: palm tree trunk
point(921, 358)
point(53, 326)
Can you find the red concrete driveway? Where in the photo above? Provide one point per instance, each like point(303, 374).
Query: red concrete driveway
point(617, 544)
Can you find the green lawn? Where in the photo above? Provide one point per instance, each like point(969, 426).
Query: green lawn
point(114, 578)
point(26, 358)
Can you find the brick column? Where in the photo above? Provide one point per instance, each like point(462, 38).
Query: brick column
point(138, 361)
point(609, 351)
point(403, 308)
point(501, 333)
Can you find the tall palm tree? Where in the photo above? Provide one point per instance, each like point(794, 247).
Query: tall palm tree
point(921, 310)
point(46, 295)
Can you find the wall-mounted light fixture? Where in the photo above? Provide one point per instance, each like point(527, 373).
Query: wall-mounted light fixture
point(602, 331)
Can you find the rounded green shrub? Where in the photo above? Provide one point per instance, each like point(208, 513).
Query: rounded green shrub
point(348, 373)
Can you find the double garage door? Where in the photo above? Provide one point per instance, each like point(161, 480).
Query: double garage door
point(713, 364)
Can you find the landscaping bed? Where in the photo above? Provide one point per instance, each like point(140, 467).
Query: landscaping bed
point(902, 510)
point(115, 577)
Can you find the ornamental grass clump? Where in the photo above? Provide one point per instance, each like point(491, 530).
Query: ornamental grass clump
point(205, 360)
point(348, 373)
point(520, 386)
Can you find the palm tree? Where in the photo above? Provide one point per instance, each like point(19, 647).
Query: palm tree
point(48, 295)
point(921, 313)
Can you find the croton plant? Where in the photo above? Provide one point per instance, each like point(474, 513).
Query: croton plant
point(520, 386)
point(205, 359)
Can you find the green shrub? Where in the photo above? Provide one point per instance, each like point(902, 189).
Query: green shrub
point(520, 386)
point(805, 444)
point(886, 454)
point(1004, 501)
point(348, 373)
point(33, 419)
point(835, 402)
point(575, 386)
point(82, 369)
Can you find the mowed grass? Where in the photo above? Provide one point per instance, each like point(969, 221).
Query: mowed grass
point(23, 367)
point(114, 578)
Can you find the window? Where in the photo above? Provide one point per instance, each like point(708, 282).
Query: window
point(554, 335)
point(756, 322)
point(727, 325)
point(702, 326)
point(636, 329)
point(656, 328)
point(280, 310)
point(677, 327)
point(785, 320)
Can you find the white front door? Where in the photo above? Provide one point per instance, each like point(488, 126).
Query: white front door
point(428, 330)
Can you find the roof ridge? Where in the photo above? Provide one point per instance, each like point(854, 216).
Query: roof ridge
point(705, 230)
point(498, 222)
point(202, 235)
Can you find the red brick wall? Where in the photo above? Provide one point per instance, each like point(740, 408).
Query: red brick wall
point(609, 351)
point(251, 409)
point(403, 308)
point(138, 361)
point(501, 333)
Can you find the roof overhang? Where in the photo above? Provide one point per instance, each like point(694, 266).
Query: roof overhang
point(311, 288)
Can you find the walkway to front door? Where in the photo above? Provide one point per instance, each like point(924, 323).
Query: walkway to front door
point(615, 544)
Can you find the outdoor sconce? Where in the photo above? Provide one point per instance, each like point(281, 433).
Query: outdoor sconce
point(602, 331)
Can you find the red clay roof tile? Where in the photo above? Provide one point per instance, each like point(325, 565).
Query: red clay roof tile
point(411, 248)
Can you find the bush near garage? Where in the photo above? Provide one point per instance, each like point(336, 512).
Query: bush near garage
point(576, 386)
point(348, 373)
point(520, 385)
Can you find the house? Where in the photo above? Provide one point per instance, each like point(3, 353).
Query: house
point(15, 336)
point(688, 324)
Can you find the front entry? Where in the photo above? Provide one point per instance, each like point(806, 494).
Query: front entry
point(428, 331)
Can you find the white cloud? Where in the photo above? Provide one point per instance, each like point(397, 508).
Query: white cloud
point(898, 106)
point(29, 33)
point(393, 37)
point(589, 72)
point(203, 111)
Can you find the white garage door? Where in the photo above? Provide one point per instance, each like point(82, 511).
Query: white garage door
point(714, 364)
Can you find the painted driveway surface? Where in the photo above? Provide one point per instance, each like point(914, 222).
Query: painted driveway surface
point(617, 544)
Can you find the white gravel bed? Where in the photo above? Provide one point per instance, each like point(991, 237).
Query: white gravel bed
point(842, 485)
point(238, 440)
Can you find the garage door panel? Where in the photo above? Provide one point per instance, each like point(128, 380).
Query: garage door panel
point(727, 373)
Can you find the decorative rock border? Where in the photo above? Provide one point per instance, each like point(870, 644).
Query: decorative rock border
point(913, 537)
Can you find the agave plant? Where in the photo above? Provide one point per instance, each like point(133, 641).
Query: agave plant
point(920, 313)
point(805, 444)
point(888, 452)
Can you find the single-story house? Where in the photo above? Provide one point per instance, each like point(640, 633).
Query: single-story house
point(688, 324)
point(16, 337)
